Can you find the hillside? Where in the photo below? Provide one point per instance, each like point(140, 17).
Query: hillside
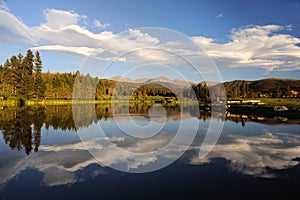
point(274, 83)
point(271, 87)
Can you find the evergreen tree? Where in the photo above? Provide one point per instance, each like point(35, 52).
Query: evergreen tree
point(15, 78)
point(7, 88)
point(27, 87)
point(39, 84)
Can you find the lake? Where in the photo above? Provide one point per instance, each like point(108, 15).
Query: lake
point(88, 152)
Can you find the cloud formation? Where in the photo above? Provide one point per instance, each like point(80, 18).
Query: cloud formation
point(257, 46)
point(56, 19)
point(98, 24)
point(253, 46)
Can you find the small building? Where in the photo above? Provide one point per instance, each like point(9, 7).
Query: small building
point(295, 93)
point(280, 108)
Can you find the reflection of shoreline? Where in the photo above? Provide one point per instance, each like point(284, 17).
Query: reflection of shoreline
point(276, 120)
point(21, 127)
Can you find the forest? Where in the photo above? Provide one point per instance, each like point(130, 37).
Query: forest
point(21, 78)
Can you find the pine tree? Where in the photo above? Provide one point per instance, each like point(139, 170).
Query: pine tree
point(39, 84)
point(27, 88)
point(6, 88)
point(15, 77)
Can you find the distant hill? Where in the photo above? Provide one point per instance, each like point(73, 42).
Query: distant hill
point(271, 87)
point(122, 79)
point(273, 84)
point(156, 81)
point(266, 84)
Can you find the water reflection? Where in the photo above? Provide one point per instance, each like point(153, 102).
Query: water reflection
point(259, 154)
point(17, 130)
point(256, 155)
point(21, 127)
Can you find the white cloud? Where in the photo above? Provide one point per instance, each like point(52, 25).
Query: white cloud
point(59, 18)
point(220, 15)
point(289, 27)
point(98, 24)
point(62, 32)
point(255, 46)
point(12, 29)
point(85, 51)
point(84, 19)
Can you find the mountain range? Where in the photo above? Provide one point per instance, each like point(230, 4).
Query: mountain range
point(256, 85)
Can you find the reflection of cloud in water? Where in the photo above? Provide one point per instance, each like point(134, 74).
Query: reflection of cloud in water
point(58, 168)
point(253, 155)
point(135, 151)
point(247, 155)
point(59, 163)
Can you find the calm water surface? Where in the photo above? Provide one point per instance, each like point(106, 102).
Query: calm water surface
point(42, 156)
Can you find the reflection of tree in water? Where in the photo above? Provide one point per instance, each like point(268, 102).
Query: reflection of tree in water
point(17, 129)
point(59, 117)
point(21, 127)
point(38, 121)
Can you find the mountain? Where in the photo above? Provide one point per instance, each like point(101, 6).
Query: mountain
point(271, 87)
point(166, 81)
point(274, 83)
point(122, 79)
point(264, 85)
point(158, 80)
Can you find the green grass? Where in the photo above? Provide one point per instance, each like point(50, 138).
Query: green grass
point(53, 102)
point(289, 103)
point(8, 103)
point(293, 104)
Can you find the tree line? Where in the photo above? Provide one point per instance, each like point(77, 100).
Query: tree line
point(21, 76)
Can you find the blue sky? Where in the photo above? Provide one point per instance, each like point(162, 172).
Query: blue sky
point(245, 39)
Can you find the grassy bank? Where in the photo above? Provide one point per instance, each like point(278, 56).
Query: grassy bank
point(54, 102)
point(13, 103)
point(266, 108)
point(293, 104)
